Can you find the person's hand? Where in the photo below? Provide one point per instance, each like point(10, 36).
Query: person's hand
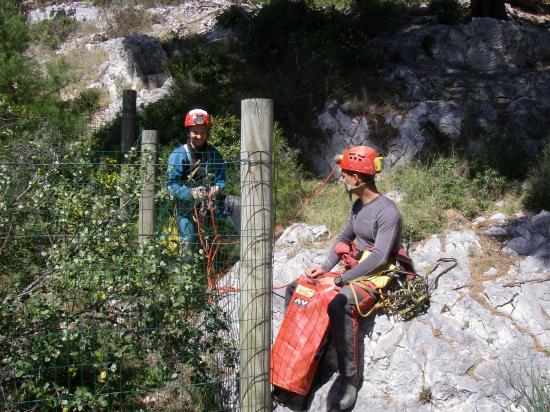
point(198, 193)
point(214, 191)
point(314, 271)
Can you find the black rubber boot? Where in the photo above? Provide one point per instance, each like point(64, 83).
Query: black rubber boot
point(289, 400)
point(348, 391)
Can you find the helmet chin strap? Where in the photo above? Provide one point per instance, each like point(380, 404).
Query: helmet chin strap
point(350, 188)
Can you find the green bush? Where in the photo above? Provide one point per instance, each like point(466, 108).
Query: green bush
point(381, 8)
point(51, 33)
point(82, 305)
point(536, 188)
point(381, 16)
point(287, 179)
point(29, 98)
point(447, 11)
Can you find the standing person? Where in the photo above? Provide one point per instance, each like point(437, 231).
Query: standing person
point(196, 173)
point(375, 223)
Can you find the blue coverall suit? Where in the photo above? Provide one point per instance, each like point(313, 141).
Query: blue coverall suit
point(210, 171)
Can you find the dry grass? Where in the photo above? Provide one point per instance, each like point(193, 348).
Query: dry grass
point(124, 21)
point(330, 207)
point(85, 67)
point(492, 257)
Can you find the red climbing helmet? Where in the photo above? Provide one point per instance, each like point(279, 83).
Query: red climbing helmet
point(197, 117)
point(361, 159)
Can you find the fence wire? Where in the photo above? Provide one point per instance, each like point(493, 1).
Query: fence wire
point(92, 319)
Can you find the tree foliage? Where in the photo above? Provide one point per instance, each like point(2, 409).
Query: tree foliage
point(82, 305)
point(89, 319)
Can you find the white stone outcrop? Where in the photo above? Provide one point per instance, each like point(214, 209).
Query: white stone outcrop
point(299, 234)
point(135, 62)
point(79, 11)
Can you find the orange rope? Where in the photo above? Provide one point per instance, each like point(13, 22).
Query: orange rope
point(211, 278)
point(355, 130)
point(318, 190)
point(314, 195)
point(212, 250)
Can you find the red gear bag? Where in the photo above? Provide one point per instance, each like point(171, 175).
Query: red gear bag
point(298, 347)
point(296, 351)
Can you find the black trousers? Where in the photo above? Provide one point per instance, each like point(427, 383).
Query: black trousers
point(343, 326)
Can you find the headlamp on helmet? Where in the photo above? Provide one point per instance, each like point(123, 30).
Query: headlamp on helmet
point(198, 120)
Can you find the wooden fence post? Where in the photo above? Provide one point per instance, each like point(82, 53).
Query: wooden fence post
point(256, 254)
point(128, 124)
point(149, 142)
point(127, 138)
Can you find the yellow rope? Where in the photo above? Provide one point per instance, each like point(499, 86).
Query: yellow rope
point(406, 301)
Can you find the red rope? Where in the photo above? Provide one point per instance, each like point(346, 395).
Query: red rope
point(355, 130)
point(318, 190)
point(211, 252)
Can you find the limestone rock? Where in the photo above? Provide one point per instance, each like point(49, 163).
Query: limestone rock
point(479, 72)
point(136, 62)
point(455, 356)
point(530, 236)
point(341, 130)
point(300, 233)
point(79, 11)
point(411, 140)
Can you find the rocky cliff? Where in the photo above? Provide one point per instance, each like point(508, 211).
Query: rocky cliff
point(484, 339)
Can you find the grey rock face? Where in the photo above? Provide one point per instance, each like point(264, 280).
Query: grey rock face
point(459, 355)
point(487, 65)
point(300, 233)
point(80, 11)
point(411, 140)
point(528, 237)
point(485, 74)
point(135, 62)
point(341, 130)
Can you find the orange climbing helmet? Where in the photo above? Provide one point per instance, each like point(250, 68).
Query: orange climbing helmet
point(197, 117)
point(361, 159)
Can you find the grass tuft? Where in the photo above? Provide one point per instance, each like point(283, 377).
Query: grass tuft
point(428, 192)
point(525, 386)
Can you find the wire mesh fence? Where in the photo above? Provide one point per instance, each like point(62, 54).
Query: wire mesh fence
point(93, 319)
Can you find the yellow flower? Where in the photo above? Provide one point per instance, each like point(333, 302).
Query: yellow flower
point(102, 376)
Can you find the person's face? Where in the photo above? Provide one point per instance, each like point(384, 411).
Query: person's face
point(345, 178)
point(197, 135)
point(348, 180)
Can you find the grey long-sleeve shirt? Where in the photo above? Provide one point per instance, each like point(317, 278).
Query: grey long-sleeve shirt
point(377, 226)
